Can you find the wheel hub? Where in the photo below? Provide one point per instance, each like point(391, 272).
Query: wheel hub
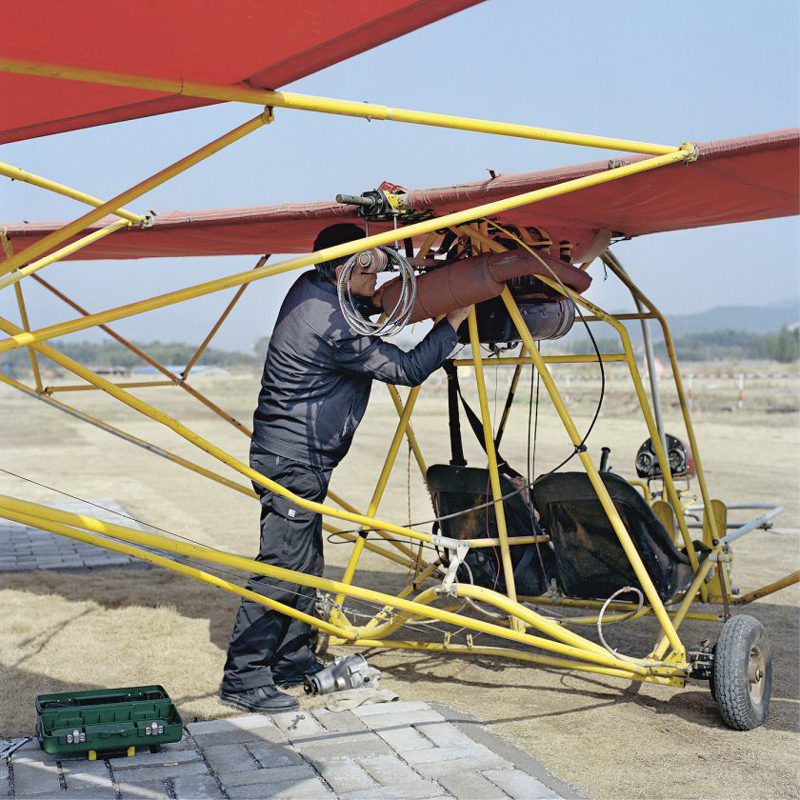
point(756, 667)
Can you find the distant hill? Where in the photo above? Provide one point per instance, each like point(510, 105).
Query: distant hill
point(750, 319)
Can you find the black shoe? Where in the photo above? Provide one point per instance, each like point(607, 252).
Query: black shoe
point(262, 699)
point(288, 680)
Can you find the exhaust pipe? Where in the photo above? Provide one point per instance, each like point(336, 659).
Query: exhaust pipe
point(474, 280)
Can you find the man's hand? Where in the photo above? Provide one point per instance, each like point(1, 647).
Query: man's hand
point(377, 295)
point(455, 318)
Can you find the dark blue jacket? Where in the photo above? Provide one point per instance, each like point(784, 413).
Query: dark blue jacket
point(318, 375)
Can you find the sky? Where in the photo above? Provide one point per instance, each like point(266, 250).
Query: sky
point(710, 70)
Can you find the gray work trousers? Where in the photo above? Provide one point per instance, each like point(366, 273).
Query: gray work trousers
point(265, 646)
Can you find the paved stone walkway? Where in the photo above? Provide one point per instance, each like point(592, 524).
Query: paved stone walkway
point(402, 750)
point(23, 548)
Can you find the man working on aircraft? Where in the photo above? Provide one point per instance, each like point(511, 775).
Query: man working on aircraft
point(314, 392)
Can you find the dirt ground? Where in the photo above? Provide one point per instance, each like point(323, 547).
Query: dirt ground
point(608, 738)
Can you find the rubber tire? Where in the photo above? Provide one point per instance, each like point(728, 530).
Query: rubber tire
point(731, 685)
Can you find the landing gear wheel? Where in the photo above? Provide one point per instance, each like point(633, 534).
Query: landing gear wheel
point(741, 681)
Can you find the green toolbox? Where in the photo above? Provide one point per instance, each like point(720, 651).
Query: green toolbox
point(71, 723)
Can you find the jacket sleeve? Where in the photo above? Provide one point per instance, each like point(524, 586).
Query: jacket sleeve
point(371, 356)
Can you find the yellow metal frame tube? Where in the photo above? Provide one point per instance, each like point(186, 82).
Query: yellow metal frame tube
point(88, 387)
point(42, 516)
point(377, 494)
point(109, 207)
point(770, 588)
point(23, 272)
point(641, 395)
point(510, 362)
point(218, 324)
point(8, 251)
point(166, 563)
point(17, 174)
point(488, 438)
point(217, 452)
point(507, 652)
point(617, 269)
point(412, 439)
point(174, 379)
point(683, 609)
point(128, 437)
point(386, 237)
point(325, 105)
point(596, 481)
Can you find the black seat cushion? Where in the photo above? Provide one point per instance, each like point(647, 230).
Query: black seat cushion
point(590, 560)
point(455, 489)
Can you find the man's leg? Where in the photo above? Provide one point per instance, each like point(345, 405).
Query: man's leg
point(291, 537)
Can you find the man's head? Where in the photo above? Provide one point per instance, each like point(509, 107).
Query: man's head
point(362, 283)
point(331, 236)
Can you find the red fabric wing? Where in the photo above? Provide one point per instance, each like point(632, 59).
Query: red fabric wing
point(263, 43)
point(735, 180)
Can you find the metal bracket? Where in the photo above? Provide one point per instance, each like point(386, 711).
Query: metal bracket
point(692, 149)
point(457, 556)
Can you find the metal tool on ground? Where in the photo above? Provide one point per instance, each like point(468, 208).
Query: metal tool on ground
point(345, 672)
point(9, 746)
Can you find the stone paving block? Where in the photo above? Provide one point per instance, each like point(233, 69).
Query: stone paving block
point(160, 759)
point(438, 768)
point(92, 775)
point(229, 724)
point(35, 777)
point(158, 772)
point(403, 738)
point(519, 785)
point(388, 769)
point(297, 724)
point(3, 778)
point(338, 721)
point(471, 785)
point(270, 756)
point(82, 766)
point(345, 776)
point(86, 793)
point(224, 758)
point(433, 754)
point(437, 761)
point(31, 752)
point(372, 709)
point(142, 790)
point(402, 718)
point(264, 776)
point(200, 788)
point(304, 789)
point(419, 790)
point(255, 728)
point(347, 749)
point(240, 735)
point(186, 743)
point(329, 738)
point(444, 734)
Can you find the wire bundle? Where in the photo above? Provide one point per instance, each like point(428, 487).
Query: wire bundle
point(398, 317)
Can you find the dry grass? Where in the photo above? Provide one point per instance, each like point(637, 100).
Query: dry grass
point(608, 738)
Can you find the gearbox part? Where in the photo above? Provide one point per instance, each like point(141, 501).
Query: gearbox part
point(380, 204)
point(345, 672)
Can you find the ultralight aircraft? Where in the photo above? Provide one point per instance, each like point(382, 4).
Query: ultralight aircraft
point(498, 545)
